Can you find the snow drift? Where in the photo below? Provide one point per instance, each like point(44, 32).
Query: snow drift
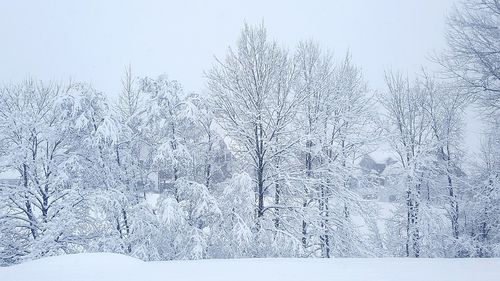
point(114, 267)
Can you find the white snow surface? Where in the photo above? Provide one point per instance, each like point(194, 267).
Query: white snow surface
point(115, 267)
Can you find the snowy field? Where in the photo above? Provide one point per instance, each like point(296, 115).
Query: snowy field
point(114, 267)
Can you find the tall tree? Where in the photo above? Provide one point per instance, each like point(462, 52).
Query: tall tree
point(473, 54)
point(334, 119)
point(255, 103)
point(45, 128)
point(445, 106)
point(408, 131)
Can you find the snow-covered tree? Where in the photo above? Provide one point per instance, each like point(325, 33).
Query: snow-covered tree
point(445, 107)
point(473, 52)
point(44, 130)
point(409, 134)
point(483, 224)
point(334, 121)
point(165, 118)
point(254, 103)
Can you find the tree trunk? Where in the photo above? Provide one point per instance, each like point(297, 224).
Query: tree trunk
point(127, 228)
point(277, 195)
point(308, 164)
point(259, 142)
point(29, 210)
point(454, 209)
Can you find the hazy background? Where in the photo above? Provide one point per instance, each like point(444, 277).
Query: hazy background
point(92, 41)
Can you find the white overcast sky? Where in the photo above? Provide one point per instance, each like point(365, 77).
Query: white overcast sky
point(92, 41)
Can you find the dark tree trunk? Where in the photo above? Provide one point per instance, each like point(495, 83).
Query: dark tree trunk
point(259, 149)
point(308, 164)
point(29, 210)
point(277, 194)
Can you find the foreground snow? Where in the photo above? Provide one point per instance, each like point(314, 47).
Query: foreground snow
point(114, 267)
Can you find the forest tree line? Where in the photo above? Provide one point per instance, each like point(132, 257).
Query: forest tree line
point(266, 164)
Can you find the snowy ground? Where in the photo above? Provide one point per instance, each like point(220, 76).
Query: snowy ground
point(114, 267)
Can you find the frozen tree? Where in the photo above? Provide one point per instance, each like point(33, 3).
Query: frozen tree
point(211, 160)
point(98, 167)
point(473, 53)
point(472, 58)
point(129, 99)
point(234, 237)
point(254, 104)
point(314, 76)
point(170, 135)
point(122, 201)
point(196, 212)
point(205, 123)
point(444, 106)
point(408, 131)
point(483, 224)
point(423, 123)
point(333, 118)
point(166, 116)
point(43, 128)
